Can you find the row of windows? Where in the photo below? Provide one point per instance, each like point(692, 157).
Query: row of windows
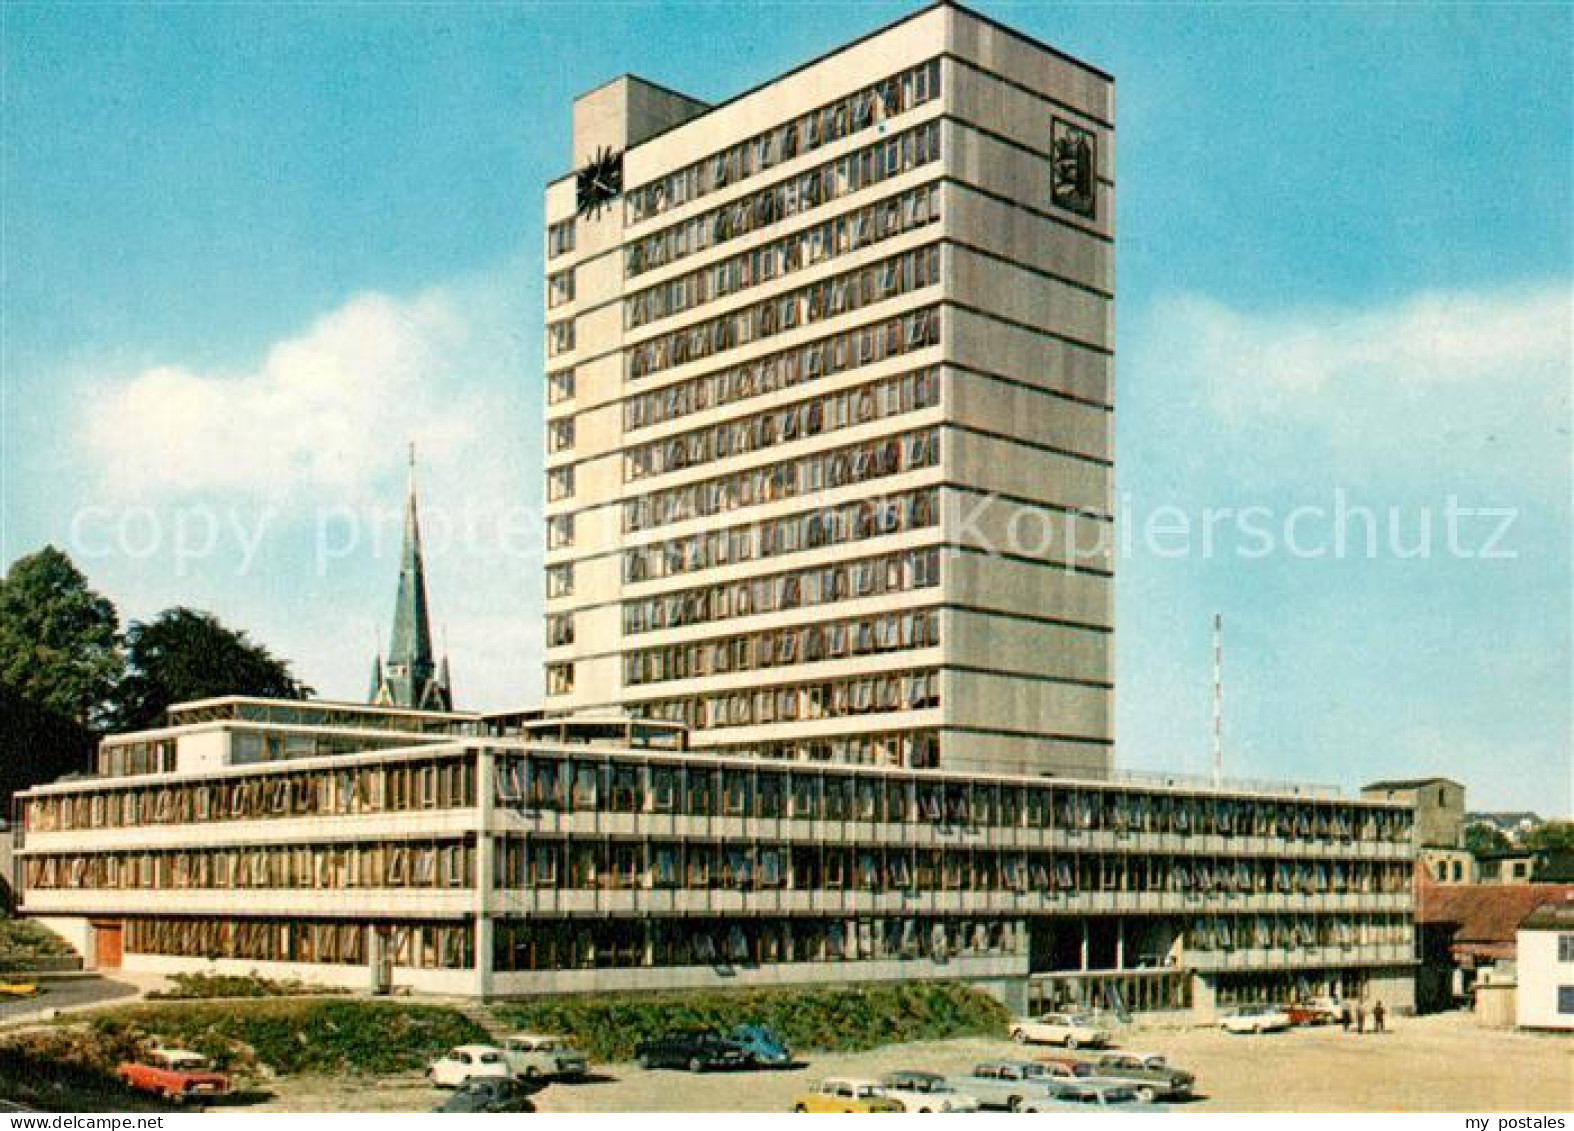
point(784, 647)
point(560, 238)
point(560, 386)
point(431, 946)
point(805, 133)
point(789, 479)
point(832, 412)
point(837, 236)
point(119, 758)
point(918, 749)
point(601, 784)
point(646, 865)
point(448, 784)
point(1239, 932)
point(822, 585)
point(848, 174)
point(590, 944)
point(828, 699)
point(790, 534)
point(303, 867)
point(560, 337)
point(785, 369)
point(850, 291)
point(560, 288)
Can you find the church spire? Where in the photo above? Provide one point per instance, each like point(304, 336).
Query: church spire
point(409, 676)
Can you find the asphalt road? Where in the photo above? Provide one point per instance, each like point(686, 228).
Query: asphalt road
point(63, 995)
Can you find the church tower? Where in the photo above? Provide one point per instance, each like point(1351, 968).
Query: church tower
point(409, 677)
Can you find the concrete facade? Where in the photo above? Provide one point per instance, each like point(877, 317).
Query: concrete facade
point(855, 298)
point(1439, 805)
point(500, 856)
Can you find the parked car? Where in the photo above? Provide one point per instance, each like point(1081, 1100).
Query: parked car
point(1074, 1030)
point(764, 1047)
point(175, 1074)
point(1086, 1097)
point(467, 1062)
point(1004, 1084)
point(486, 1095)
point(839, 1094)
point(1255, 1019)
point(925, 1092)
point(17, 989)
point(1316, 1011)
point(532, 1055)
point(698, 1050)
point(1150, 1074)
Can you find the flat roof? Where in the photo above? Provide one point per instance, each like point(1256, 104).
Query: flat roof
point(457, 745)
point(1411, 783)
point(711, 108)
point(317, 704)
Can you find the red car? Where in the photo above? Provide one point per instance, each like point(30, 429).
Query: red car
point(174, 1074)
point(1317, 1011)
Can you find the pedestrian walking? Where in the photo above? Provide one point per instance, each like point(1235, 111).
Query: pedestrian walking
point(1360, 1018)
point(1344, 1016)
point(1378, 1013)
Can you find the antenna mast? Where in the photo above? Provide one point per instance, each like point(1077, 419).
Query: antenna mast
point(1218, 699)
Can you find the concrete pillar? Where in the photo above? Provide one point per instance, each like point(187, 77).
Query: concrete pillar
point(1086, 947)
point(1120, 944)
point(1204, 998)
point(485, 869)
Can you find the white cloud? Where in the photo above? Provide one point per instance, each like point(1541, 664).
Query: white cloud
point(304, 452)
point(321, 415)
point(1439, 384)
point(1426, 342)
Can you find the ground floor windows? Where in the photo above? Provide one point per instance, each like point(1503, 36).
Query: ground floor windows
point(1277, 987)
point(432, 946)
point(1120, 993)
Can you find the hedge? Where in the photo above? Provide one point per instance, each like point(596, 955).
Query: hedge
point(68, 1070)
point(847, 1018)
point(197, 987)
point(22, 942)
point(287, 1037)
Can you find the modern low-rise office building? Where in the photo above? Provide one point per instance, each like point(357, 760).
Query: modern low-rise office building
point(506, 855)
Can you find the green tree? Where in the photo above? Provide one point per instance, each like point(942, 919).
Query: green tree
point(1554, 836)
point(59, 640)
point(185, 654)
point(1480, 839)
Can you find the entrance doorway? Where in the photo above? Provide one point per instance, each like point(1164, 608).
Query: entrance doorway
point(108, 944)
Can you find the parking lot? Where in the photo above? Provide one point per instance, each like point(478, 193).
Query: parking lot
point(1440, 1063)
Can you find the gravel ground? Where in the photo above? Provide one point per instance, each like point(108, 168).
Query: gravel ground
point(1440, 1063)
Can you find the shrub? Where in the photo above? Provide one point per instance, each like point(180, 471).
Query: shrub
point(194, 987)
point(831, 1018)
point(22, 941)
point(290, 1037)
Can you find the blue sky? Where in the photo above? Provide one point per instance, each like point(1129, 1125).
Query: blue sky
point(249, 250)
